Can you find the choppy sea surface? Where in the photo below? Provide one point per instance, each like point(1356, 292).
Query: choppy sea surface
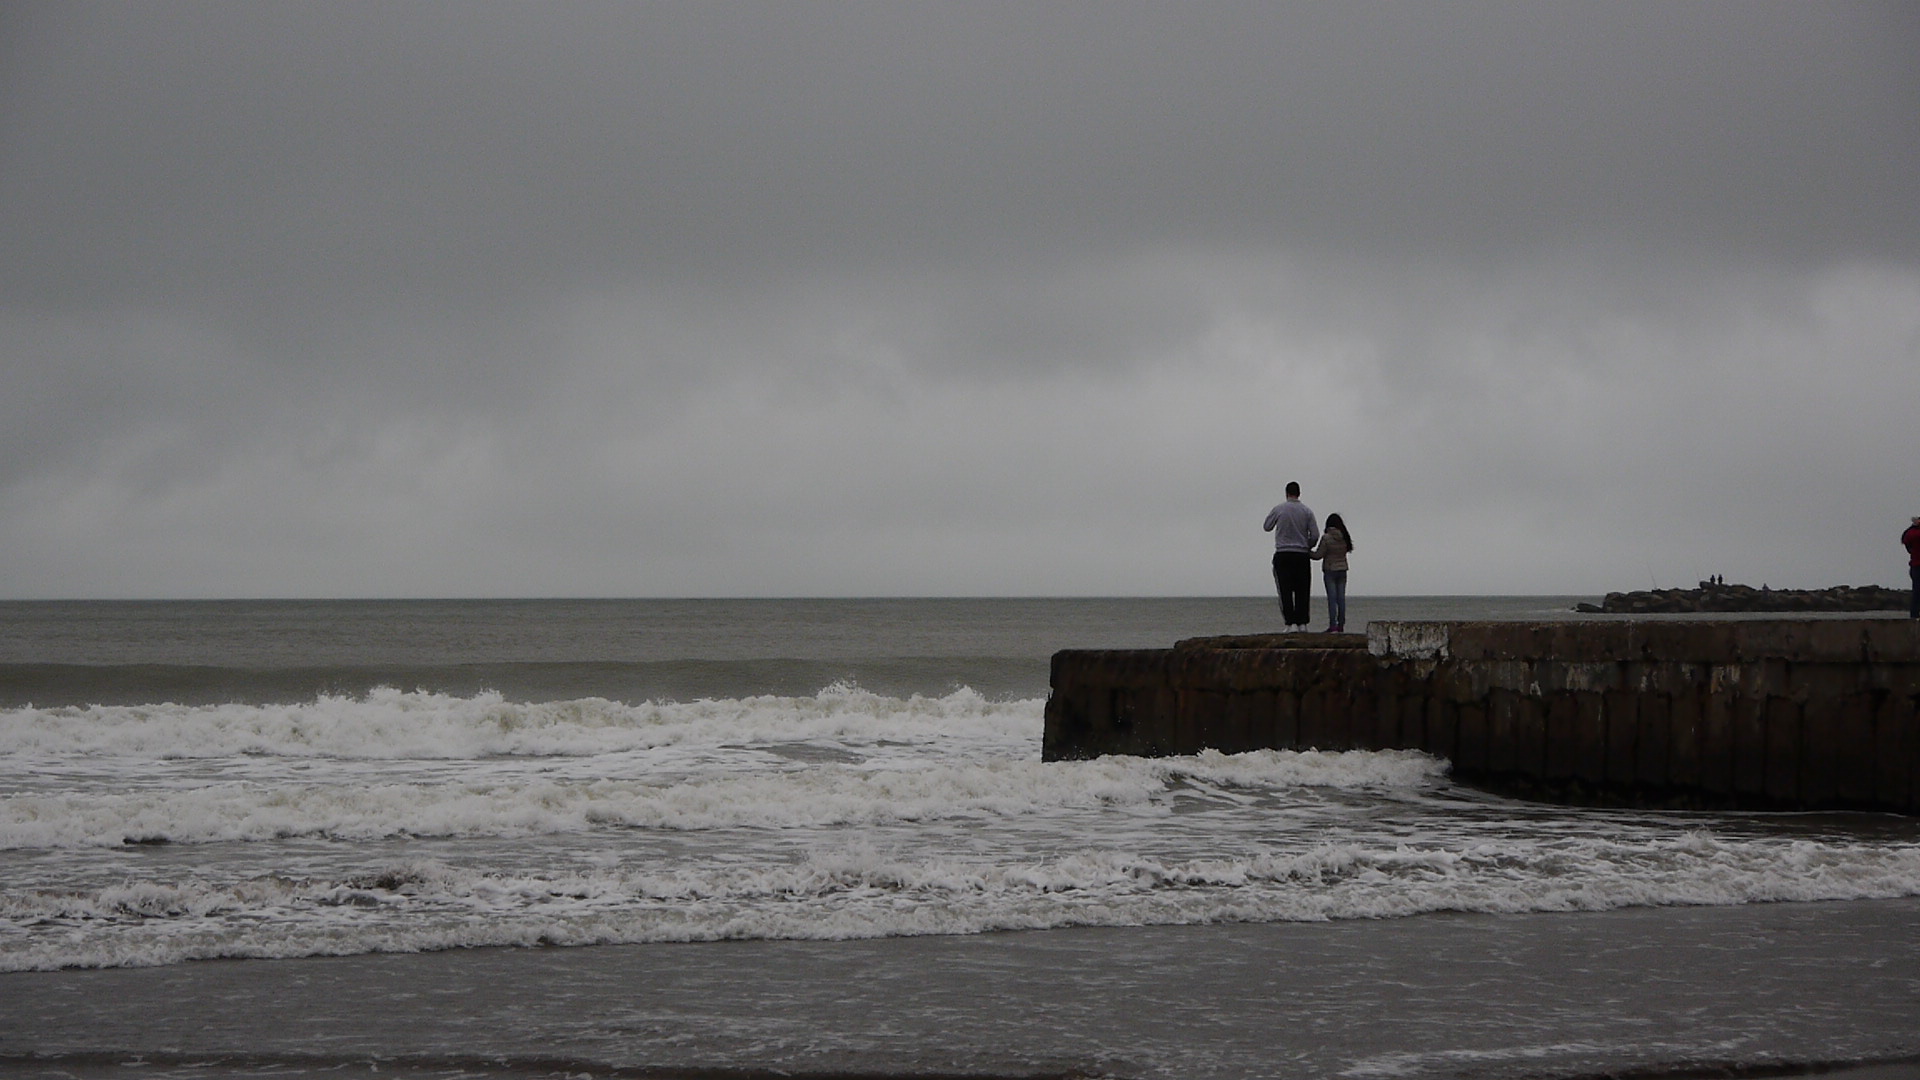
point(282, 781)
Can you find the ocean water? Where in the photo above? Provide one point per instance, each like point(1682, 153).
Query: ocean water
point(728, 814)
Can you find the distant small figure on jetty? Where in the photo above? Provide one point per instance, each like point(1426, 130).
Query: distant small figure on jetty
point(1911, 539)
point(1295, 531)
point(1335, 543)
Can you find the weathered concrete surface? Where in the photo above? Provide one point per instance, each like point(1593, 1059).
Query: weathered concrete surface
point(1811, 714)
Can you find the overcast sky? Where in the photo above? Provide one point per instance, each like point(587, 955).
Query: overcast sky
point(848, 299)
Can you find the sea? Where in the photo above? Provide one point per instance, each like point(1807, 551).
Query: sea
point(815, 838)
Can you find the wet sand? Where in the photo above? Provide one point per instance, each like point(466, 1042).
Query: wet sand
point(1777, 989)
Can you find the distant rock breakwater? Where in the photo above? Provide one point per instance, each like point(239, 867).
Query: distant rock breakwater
point(1714, 597)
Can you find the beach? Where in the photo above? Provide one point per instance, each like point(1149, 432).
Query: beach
point(734, 839)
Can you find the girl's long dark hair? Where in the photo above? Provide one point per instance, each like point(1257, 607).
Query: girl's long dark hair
point(1334, 521)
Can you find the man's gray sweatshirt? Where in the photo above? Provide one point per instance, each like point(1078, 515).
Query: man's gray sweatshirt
point(1293, 527)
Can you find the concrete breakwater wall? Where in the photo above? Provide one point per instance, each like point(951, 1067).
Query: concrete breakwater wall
point(1811, 714)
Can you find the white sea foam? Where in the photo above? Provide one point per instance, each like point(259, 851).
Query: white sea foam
point(522, 805)
point(858, 891)
point(843, 814)
point(392, 724)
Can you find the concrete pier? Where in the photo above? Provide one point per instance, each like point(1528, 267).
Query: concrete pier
point(1799, 714)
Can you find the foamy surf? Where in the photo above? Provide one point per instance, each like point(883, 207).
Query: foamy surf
point(860, 891)
point(387, 723)
point(399, 821)
point(778, 795)
point(392, 779)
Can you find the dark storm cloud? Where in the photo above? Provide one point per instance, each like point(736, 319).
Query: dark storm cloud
point(844, 297)
point(182, 150)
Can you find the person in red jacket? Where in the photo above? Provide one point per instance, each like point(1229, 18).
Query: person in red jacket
point(1911, 538)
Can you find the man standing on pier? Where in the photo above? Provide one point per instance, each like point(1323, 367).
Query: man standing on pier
point(1911, 538)
point(1294, 533)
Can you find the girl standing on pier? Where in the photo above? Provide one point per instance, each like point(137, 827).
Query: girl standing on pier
point(1335, 542)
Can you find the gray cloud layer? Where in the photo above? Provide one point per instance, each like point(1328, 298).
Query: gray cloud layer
point(846, 298)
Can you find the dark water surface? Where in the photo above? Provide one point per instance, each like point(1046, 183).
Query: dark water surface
point(1758, 989)
point(203, 652)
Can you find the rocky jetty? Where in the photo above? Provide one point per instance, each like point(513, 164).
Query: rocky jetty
point(1711, 596)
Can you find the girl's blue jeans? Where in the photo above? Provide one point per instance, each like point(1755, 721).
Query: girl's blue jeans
point(1336, 597)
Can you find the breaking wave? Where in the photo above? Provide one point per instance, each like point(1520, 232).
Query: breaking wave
point(811, 797)
point(859, 891)
point(397, 821)
point(386, 723)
